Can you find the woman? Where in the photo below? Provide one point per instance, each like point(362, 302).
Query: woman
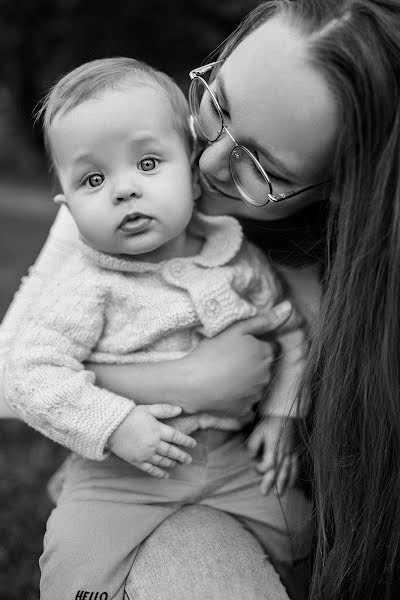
point(311, 88)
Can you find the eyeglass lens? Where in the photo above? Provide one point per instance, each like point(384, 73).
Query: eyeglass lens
point(249, 180)
point(206, 114)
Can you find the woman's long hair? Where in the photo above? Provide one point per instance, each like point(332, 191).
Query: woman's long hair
point(353, 370)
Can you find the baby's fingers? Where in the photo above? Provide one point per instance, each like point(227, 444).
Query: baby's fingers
point(170, 451)
point(169, 434)
point(163, 411)
point(151, 469)
point(162, 461)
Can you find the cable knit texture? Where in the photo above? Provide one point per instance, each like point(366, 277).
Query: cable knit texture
point(113, 310)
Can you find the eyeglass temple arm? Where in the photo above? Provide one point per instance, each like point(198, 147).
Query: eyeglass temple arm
point(204, 69)
point(285, 196)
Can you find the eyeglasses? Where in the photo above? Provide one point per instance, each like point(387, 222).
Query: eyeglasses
point(251, 180)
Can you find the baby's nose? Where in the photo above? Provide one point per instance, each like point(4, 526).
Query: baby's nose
point(127, 187)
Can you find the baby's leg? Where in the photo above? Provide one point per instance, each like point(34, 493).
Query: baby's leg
point(93, 534)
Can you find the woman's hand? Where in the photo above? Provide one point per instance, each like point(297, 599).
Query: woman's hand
point(228, 373)
point(224, 374)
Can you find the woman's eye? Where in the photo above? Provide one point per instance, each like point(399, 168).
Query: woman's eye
point(95, 180)
point(222, 109)
point(269, 172)
point(148, 164)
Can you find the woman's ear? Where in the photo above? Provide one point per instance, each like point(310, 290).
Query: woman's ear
point(60, 199)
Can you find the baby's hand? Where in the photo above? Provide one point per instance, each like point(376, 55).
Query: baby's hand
point(148, 444)
point(272, 442)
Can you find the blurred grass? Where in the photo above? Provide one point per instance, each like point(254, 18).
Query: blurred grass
point(26, 458)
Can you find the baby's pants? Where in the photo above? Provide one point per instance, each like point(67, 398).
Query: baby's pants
point(106, 509)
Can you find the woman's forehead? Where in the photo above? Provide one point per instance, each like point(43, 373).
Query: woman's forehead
point(278, 99)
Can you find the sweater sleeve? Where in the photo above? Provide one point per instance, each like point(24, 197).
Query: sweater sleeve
point(292, 338)
point(60, 244)
point(44, 378)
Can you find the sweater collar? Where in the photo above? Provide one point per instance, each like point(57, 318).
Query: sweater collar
point(222, 236)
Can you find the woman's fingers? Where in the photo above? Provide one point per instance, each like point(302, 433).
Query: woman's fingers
point(283, 475)
point(294, 471)
point(267, 462)
point(255, 442)
point(263, 323)
point(169, 434)
point(151, 469)
point(170, 451)
point(267, 482)
point(222, 423)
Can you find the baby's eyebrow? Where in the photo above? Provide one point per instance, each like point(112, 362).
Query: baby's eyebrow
point(83, 158)
point(145, 137)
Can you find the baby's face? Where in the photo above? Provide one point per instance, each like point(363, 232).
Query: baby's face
point(125, 172)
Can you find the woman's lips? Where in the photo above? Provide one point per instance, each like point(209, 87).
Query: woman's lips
point(135, 223)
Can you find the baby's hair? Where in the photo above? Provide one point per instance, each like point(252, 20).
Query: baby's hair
point(92, 78)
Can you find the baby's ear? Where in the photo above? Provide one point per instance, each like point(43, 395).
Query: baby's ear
point(59, 199)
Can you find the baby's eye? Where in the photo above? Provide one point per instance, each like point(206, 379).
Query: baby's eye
point(94, 180)
point(148, 164)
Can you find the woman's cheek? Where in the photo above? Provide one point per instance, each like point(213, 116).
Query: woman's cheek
point(212, 204)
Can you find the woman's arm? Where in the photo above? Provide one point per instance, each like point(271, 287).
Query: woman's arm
point(225, 374)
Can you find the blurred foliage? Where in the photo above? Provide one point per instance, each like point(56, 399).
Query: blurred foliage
point(42, 39)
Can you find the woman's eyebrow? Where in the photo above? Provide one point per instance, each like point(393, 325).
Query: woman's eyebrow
point(275, 162)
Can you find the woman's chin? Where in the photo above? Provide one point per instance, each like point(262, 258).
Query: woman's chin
point(213, 203)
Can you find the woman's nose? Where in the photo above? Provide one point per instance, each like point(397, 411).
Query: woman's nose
point(127, 186)
point(214, 160)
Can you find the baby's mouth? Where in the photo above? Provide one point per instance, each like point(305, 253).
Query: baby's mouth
point(135, 223)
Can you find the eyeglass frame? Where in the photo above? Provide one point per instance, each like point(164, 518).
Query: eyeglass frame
point(271, 197)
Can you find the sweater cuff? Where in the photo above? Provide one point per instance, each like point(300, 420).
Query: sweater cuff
point(92, 442)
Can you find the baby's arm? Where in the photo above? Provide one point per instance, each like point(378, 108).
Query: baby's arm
point(59, 246)
point(44, 380)
point(46, 383)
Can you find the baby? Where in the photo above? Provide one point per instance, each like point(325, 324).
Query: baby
point(151, 278)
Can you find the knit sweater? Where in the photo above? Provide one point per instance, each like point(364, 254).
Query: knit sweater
point(106, 309)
